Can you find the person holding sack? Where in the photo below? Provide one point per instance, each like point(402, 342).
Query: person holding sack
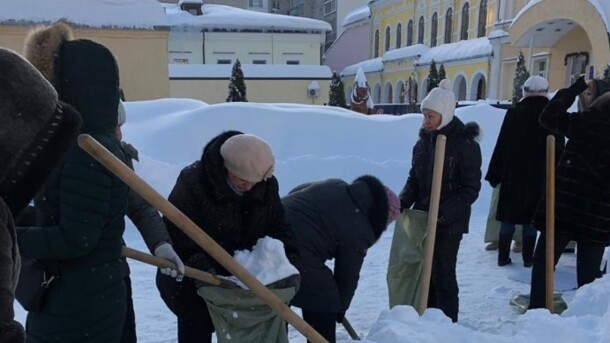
point(80, 211)
point(461, 182)
point(582, 189)
point(37, 129)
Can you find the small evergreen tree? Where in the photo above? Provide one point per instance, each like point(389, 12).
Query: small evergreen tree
point(237, 86)
point(607, 72)
point(433, 79)
point(336, 94)
point(441, 73)
point(521, 75)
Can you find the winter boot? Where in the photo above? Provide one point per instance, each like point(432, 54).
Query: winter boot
point(491, 246)
point(529, 243)
point(518, 246)
point(504, 249)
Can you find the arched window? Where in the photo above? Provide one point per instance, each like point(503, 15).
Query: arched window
point(420, 31)
point(398, 35)
point(434, 29)
point(482, 19)
point(465, 23)
point(387, 39)
point(376, 45)
point(448, 26)
point(410, 33)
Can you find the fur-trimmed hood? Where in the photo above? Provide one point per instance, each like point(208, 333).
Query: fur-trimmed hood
point(368, 192)
point(84, 74)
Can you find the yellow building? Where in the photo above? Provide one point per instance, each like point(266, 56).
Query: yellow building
point(478, 43)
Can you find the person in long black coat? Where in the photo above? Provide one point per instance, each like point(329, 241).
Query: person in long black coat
point(582, 189)
point(518, 164)
point(231, 194)
point(333, 219)
point(37, 130)
point(461, 183)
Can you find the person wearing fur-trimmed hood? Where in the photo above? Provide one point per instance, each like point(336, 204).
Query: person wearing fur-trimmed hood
point(80, 210)
point(36, 131)
point(461, 183)
point(333, 219)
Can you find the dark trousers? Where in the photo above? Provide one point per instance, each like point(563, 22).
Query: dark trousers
point(443, 293)
point(323, 322)
point(129, 327)
point(588, 260)
point(190, 334)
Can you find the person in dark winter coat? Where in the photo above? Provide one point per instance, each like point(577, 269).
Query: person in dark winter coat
point(150, 224)
point(80, 211)
point(518, 163)
point(582, 190)
point(36, 131)
point(461, 183)
point(332, 219)
point(230, 193)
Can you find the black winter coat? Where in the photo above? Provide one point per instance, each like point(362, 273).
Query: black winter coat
point(582, 189)
point(332, 219)
point(461, 175)
point(235, 222)
point(518, 161)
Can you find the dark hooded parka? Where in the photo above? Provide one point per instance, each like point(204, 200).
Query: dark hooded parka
point(332, 219)
point(36, 131)
point(235, 222)
point(80, 210)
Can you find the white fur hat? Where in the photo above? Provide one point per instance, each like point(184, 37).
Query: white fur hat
point(248, 157)
point(535, 85)
point(442, 100)
point(122, 114)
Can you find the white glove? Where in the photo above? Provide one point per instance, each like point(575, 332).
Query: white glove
point(166, 251)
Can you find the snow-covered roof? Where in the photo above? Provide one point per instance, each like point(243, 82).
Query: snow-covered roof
point(135, 14)
point(462, 50)
point(357, 14)
point(602, 7)
point(368, 66)
point(266, 71)
point(227, 17)
point(196, 2)
point(405, 52)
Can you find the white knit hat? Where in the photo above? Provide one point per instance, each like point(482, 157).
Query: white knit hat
point(122, 114)
point(248, 157)
point(535, 85)
point(442, 100)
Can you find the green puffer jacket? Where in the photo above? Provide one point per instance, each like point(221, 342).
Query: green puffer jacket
point(80, 212)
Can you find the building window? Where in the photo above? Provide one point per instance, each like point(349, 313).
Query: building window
point(223, 61)
point(181, 61)
point(376, 44)
point(398, 35)
point(420, 31)
point(387, 39)
point(465, 23)
point(259, 61)
point(293, 62)
point(330, 6)
point(256, 3)
point(577, 66)
point(448, 26)
point(540, 67)
point(434, 29)
point(410, 33)
point(481, 32)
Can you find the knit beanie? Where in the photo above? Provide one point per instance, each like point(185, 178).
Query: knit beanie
point(442, 100)
point(248, 157)
point(122, 114)
point(393, 205)
point(535, 85)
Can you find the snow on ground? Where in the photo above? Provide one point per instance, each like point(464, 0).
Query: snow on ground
point(315, 142)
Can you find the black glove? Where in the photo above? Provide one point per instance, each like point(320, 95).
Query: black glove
point(493, 184)
point(578, 86)
point(293, 280)
point(340, 316)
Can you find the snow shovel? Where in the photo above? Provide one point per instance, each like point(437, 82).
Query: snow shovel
point(118, 168)
point(435, 196)
point(188, 271)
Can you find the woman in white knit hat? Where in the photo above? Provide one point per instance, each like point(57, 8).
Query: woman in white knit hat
point(230, 193)
point(461, 183)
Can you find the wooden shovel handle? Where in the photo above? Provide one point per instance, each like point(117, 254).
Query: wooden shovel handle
point(550, 223)
point(350, 329)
